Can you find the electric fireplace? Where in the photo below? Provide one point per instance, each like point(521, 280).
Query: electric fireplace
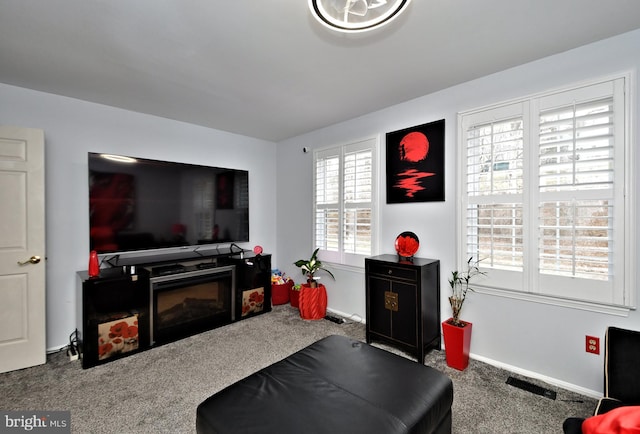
point(184, 302)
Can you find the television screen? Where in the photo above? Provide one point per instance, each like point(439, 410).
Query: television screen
point(141, 204)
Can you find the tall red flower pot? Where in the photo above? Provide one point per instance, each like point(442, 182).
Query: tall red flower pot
point(457, 341)
point(312, 302)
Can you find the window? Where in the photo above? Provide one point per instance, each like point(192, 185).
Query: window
point(543, 183)
point(344, 199)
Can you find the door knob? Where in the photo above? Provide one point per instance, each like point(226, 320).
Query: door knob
point(32, 260)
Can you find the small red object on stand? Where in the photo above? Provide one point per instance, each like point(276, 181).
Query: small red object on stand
point(94, 265)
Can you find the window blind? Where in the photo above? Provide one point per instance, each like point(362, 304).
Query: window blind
point(327, 193)
point(545, 197)
point(494, 176)
point(576, 147)
point(358, 178)
point(344, 197)
point(576, 162)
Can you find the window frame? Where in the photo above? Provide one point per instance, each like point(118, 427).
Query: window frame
point(340, 257)
point(526, 285)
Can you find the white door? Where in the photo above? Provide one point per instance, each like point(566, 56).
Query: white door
point(22, 230)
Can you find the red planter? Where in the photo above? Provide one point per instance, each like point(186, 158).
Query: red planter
point(457, 341)
point(294, 297)
point(280, 293)
point(313, 302)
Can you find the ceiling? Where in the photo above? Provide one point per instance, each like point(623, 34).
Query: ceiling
point(265, 68)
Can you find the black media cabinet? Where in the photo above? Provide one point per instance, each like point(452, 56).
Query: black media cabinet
point(136, 306)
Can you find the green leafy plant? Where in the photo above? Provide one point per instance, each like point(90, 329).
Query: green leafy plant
point(310, 267)
point(459, 282)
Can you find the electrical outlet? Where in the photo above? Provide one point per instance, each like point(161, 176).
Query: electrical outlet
point(593, 345)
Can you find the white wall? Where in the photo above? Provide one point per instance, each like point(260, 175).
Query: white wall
point(537, 339)
point(72, 128)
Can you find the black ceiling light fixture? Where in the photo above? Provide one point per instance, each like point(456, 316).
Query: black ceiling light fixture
point(352, 16)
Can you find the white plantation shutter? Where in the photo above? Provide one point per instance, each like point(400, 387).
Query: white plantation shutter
point(327, 202)
point(577, 147)
point(576, 180)
point(494, 189)
point(358, 203)
point(544, 200)
point(576, 239)
point(344, 181)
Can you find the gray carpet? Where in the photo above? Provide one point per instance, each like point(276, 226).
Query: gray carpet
point(157, 391)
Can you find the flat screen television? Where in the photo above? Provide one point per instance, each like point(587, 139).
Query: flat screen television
point(138, 204)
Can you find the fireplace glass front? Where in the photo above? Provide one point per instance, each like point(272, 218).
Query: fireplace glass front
point(184, 304)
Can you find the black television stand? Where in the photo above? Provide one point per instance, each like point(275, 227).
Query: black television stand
point(127, 300)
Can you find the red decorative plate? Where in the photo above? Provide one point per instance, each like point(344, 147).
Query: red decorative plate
point(407, 244)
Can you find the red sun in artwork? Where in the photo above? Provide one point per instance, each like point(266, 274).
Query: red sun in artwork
point(414, 147)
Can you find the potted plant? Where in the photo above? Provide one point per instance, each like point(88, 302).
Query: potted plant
point(312, 300)
point(456, 332)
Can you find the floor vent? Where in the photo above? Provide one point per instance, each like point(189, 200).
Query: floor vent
point(530, 387)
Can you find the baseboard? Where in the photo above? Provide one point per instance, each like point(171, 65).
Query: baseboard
point(530, 374)
point(56, 349)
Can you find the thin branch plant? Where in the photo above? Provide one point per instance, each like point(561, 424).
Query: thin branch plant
point(460, 285)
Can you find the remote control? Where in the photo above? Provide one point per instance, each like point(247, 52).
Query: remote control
point(335, 319)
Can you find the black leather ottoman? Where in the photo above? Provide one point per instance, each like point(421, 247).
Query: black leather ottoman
point(336, 385)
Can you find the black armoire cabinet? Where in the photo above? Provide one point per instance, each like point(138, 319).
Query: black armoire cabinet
point(403, 303)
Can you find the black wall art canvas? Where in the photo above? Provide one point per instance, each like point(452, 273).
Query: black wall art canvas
point(415, 164)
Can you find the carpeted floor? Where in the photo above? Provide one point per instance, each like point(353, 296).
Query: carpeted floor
point(157, 391)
